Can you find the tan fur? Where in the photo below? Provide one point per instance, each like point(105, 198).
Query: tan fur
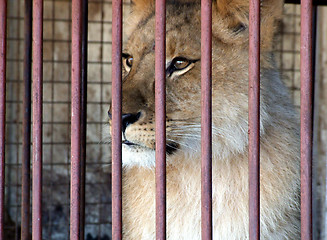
point(279, 127)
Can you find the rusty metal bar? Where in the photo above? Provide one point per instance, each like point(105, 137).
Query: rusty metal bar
point(160, 116)
point(37, 118)
point(83, 113)
point(3, 41)
point(75, 181)
point(306, 119)
point(206, 119)
point(116, 133)
point(254, 120)
point(26, 157)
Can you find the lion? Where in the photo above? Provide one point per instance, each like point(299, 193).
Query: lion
point(279, 126)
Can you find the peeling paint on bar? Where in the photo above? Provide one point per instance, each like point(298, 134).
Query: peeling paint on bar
point(37, 118)
point(75, 182)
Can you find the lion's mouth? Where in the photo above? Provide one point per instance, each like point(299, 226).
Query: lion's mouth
point(128, 143)
point(171, 147)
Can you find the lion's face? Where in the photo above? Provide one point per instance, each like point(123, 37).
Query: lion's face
point(183, 81)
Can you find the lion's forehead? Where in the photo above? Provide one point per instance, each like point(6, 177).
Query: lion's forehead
point(182, 28)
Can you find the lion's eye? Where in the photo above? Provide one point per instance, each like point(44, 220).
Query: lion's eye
point(179, 65)
point(127, 61)
point(239, 28)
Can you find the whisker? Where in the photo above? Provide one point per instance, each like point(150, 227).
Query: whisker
point(188, 136)
point(183, 119)
point(188, 124)
point(198, 130)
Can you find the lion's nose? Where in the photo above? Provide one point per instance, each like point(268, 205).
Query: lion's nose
point(129, 118)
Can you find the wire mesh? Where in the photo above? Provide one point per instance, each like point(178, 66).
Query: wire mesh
point(288, 50)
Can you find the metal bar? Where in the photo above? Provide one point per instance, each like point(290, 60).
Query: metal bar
point(206, 119)
point(26, 157)
point(83, 113)
point(160, 116)
point(75, 181)
point(306, 119)
point(37, 118)
point(3, 41)
point(254, 119)
point(116, 133)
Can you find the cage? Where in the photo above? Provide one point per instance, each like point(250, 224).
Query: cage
point(56, 117)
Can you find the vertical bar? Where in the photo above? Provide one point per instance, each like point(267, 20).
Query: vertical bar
point(83, 112)
point(37, 118)
point(26, 161)
point(160, 116)
point(75, 180)
point(206, 119)
point(3, 39)
point(306, 119)
point(116, 119)
point(315, 128)
point(254, 120)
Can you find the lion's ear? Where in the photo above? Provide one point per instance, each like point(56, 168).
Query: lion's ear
point(269, 8)
point(235, 15)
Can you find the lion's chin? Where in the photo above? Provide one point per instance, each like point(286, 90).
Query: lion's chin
point(138, 156)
